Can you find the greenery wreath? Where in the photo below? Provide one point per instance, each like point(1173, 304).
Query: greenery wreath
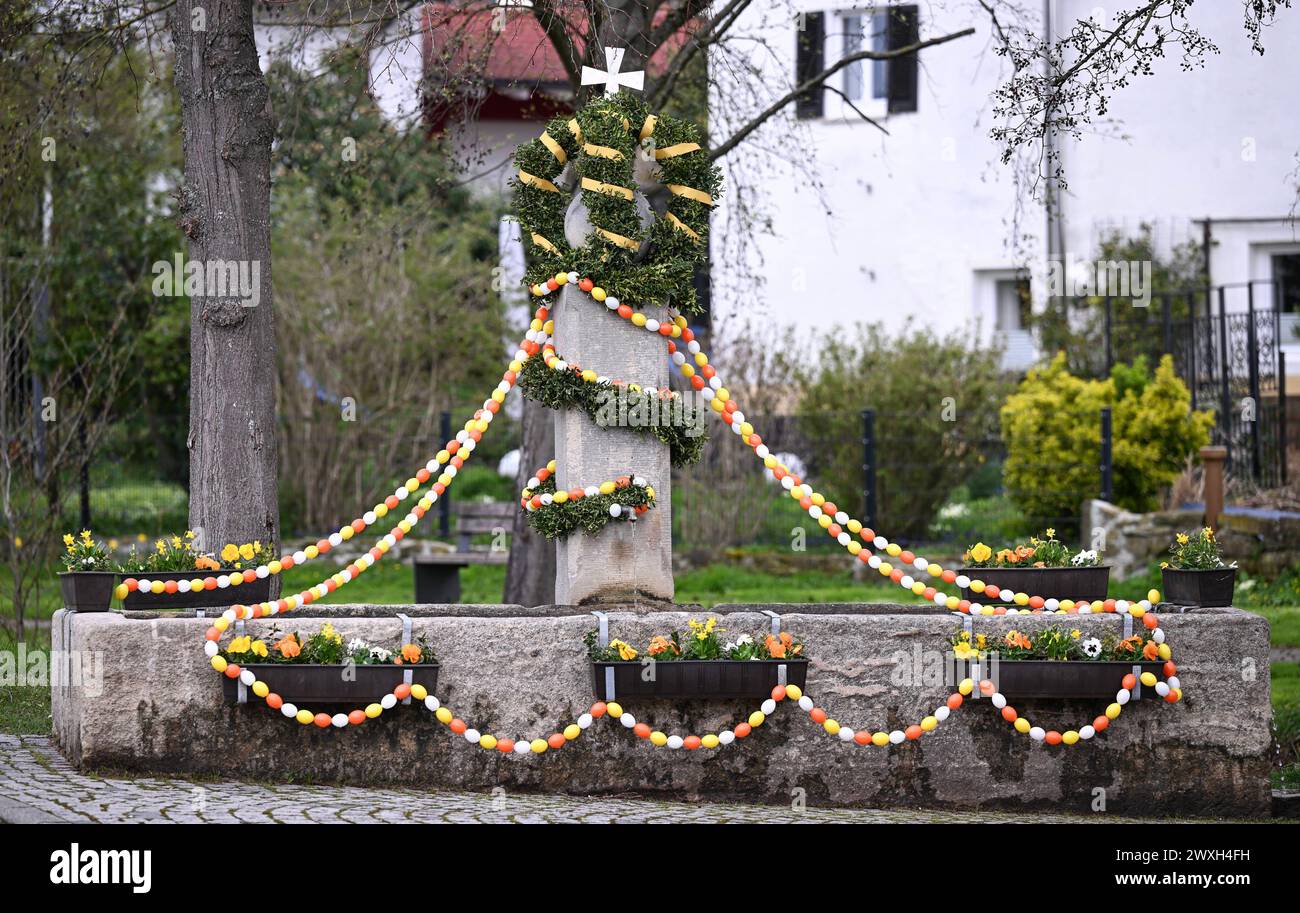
point(567, 390)
point(600, 143)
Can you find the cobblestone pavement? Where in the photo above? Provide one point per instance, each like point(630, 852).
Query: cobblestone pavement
point(38, 785)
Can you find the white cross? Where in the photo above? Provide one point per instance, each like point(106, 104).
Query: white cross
point(612, 78)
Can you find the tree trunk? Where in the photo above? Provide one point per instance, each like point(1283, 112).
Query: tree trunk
point(530, 573)
point(227, 128)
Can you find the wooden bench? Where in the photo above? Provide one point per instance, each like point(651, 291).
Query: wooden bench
point(437, 576)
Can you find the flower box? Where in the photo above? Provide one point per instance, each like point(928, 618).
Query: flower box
point(1204, 588)
point(697, 678)
point(244, 594)
point(1032, 678)
point(311, 685)
point(1077, 583)
point(87, 591)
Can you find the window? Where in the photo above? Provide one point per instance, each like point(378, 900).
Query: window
point(1286, 282)
point(809, 60)
point(893, 82)
point(1013, 305)
point(851, 28)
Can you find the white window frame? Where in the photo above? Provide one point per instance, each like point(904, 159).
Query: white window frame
point(839, 44)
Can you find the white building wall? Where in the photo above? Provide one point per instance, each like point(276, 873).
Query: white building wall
point(920, 221)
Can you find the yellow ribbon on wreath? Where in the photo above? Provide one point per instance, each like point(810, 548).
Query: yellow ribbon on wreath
point(610, 190)
point(670, 152)
point(556, 149)
point(691, 193)
point(533, 180)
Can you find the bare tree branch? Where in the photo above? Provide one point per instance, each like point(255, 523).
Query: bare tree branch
point(812, 83)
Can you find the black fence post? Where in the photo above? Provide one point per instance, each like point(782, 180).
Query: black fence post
point(1110, 346)
point(1225, 397)
point(1252, 351)
point(84, 479)
point(1166, 324)
point(1281, 411)
point(869, 467)
point(444, 502)
point(1107, 464)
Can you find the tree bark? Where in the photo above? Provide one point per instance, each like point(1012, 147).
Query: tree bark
point(224, 211)
point(530, 572)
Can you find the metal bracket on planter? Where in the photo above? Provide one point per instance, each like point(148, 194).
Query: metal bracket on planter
point(776, 620)
point(408, 674)
point(241, 689)
point(200, 613)
point(602, 640)
point(782, 670)
point(1137, 670)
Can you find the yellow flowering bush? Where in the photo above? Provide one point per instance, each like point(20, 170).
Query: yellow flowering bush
point(1052, 431)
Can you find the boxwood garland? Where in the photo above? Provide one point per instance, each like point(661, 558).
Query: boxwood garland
point(601, 142)
point(567, 390)
point(590, 513)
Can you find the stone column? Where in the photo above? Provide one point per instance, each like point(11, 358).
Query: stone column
point(625, 561)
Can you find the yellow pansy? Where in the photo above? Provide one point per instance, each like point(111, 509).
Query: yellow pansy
point(259, 648)
point(240, 644)
point(230, 552)
point(981, 552)
point(246, 552)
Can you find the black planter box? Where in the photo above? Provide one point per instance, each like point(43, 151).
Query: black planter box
point(1199, 588)
point(1030, 678)
point(311, 684)
point(1049, 582)
point(698, 678)
point(243, 594)
point(87, 591)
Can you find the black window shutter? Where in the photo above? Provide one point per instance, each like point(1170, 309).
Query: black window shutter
point(904, 29)
point(809, 60)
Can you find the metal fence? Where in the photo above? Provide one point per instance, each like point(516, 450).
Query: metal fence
point(1226, 342)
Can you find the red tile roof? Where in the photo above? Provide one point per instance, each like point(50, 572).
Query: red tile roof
point(473, 43)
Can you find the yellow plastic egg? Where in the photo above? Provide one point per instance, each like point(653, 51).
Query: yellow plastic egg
point(443, 714)
point(1022, 725)
point(537, 746)
point(219, 663)
point(1153, 596)
point(966, 686)
point(793, 692)
point(756, 718)
point(419, 692)
point(305, 717)
point(880, 739)
point(658, 739)
point(572, 731)
point(261, 689)
point(1148, 679)
point(709, 741)
point(929, 723)
point(487, 741)
point(831, 726)
point(1069, 737)
point(1112, 712)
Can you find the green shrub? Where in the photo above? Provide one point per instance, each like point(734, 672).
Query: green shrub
point(936, 399)
point(1052, 430)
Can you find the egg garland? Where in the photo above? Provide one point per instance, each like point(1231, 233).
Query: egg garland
point(596, 150)
point(703, 378)
point(554, 514)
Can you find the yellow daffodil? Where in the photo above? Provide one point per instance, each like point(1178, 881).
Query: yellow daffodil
point(981, 641)
point(189, 534)
point(67, 539)
point(963, 650)
point(1051, 533)
point(85, 536)
point(1182, 538)
point(1076, 633)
